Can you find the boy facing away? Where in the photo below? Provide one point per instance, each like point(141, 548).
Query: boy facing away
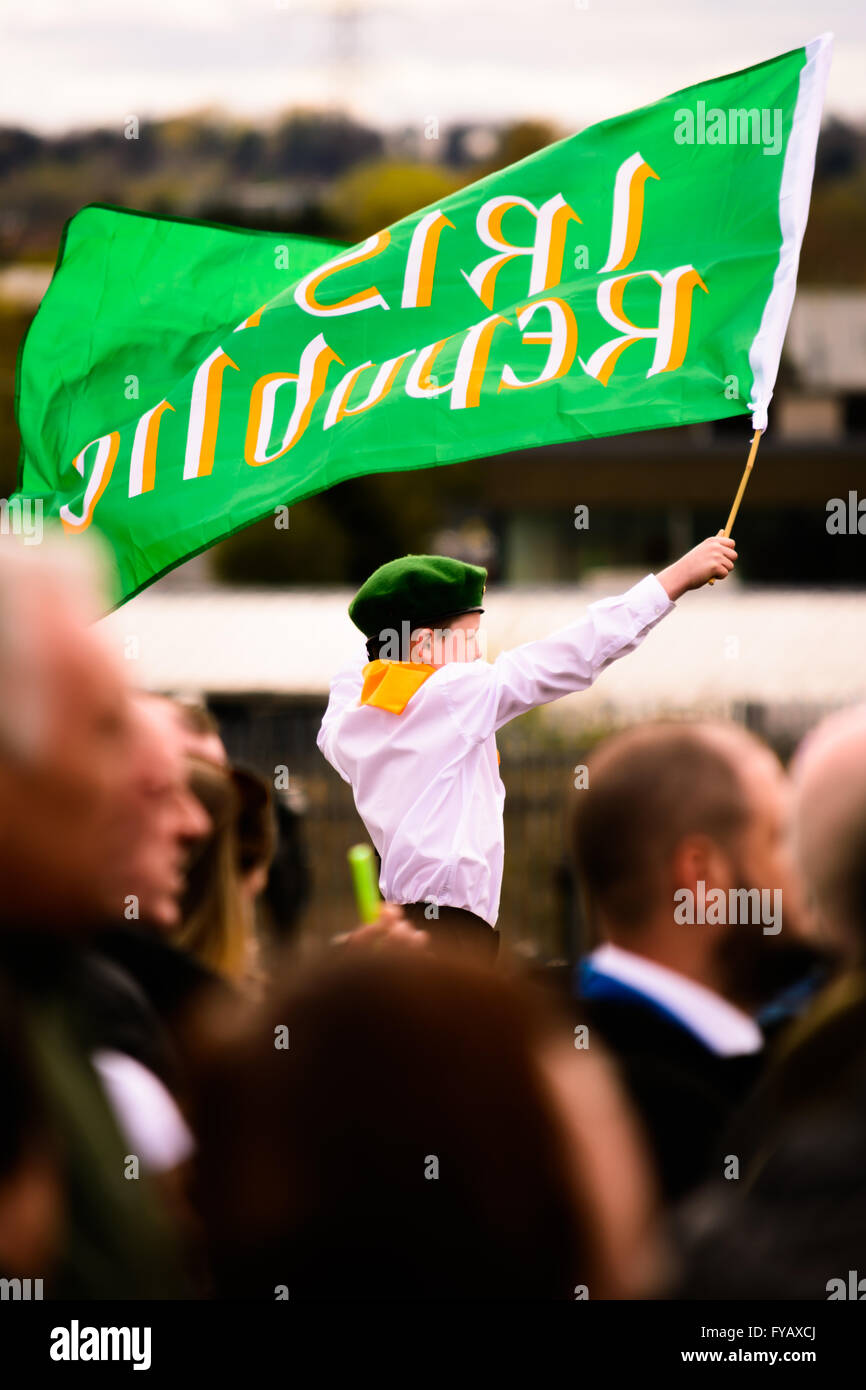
point(411, 721)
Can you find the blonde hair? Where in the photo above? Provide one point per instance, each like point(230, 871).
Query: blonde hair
point(216, 924)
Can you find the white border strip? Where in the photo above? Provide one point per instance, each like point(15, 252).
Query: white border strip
point(794, 195)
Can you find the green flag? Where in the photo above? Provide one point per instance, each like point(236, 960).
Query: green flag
point(182, 380)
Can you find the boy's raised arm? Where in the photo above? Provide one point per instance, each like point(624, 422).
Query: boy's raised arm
point(571, 659)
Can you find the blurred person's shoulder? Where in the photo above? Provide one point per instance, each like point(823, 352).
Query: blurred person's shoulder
point(36, 960)
point(650, 1042)
point(170, 978)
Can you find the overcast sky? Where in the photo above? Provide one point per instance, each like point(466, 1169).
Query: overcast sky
point(71, 63)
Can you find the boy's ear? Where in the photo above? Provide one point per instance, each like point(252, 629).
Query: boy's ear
point(420, 643)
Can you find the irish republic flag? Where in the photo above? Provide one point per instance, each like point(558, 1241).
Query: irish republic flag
point(182, 380)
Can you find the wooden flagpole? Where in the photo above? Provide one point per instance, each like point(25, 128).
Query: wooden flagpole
point(747, 473)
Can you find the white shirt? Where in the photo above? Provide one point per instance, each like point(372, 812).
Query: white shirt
point(147, 1114)
point(721, 1026)
point(426, 782)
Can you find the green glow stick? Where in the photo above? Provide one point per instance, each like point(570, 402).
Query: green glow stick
point(362, 863)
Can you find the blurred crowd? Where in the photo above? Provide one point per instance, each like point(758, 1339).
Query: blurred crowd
point(197, 1106)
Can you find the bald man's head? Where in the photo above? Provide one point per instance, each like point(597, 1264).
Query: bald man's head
point(649, 789)
point(829, 773)
point(65, 737)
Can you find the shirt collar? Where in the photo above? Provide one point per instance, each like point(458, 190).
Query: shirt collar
point(721, 1026)
point(390, 685)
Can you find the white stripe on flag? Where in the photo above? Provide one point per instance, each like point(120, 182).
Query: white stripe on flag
point(794, 195)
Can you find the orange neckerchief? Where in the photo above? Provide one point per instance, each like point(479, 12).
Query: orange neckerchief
point(390, 685)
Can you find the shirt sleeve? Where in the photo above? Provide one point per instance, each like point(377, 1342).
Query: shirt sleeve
point(346, 689)
point(567, 661)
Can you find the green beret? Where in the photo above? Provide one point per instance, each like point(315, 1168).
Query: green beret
point(419, 589)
